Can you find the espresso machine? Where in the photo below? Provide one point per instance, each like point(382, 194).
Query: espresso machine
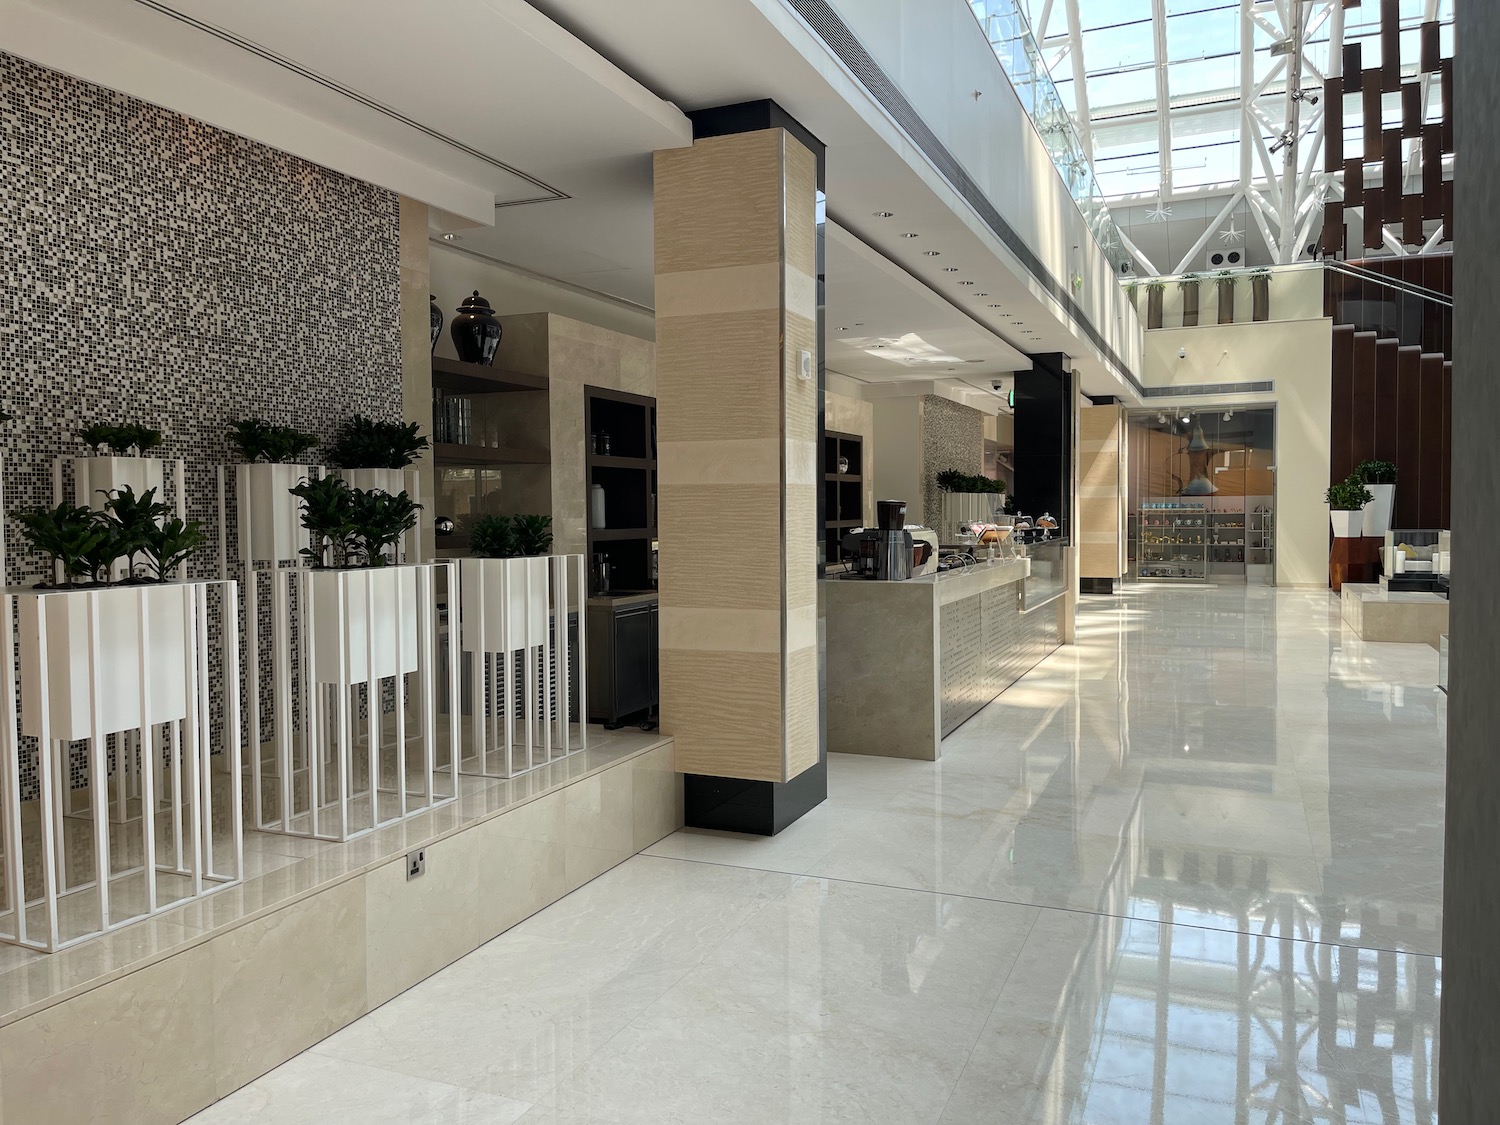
point(886, 551)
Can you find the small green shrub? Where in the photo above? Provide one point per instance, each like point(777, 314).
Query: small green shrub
point(119, 439)
point(255, 440)
point(1376, 472)
point(363, 443)
point(328, 513)
point(951, 480)
point(380, 519)
point(1349, 495)
point(492, 537)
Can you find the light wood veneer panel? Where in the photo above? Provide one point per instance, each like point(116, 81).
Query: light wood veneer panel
point(706, 226)
point(801, 710)
point(724, 711)
point(717, 372)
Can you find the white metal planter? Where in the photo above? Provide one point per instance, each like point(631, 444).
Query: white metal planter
point(92, 664)
point(519, 660)
point(968, 507)
point(357, 742)
point(269, 516)
point(1377, 516)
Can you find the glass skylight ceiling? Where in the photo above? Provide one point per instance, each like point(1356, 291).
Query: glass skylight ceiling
point(1185, 60)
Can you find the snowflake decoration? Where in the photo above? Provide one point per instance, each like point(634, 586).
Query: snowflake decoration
point(1160, 213)
point(1233, 236)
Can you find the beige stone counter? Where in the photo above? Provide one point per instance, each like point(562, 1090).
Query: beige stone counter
point(908, 662)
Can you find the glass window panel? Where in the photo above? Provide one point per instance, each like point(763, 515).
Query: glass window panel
point(1133, 88)
point(1204, 165)
point(1068, 92)
point(1111, 48)
point(1108, 13)
point(1203, 78)
point(1203, 35)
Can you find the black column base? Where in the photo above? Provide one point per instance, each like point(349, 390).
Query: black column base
point(1096, 585)
point(760, 808)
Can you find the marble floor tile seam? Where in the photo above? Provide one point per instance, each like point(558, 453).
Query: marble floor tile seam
point(1079, 910)
point(196, 935)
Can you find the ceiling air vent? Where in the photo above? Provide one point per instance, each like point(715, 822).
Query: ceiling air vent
point(1264, 387)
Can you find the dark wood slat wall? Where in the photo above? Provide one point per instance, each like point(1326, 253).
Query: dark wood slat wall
point(1394, 403)
point(1375, 170)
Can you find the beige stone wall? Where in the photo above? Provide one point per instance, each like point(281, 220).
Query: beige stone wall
point(851, 415)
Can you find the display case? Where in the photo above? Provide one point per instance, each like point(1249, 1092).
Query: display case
point(1171, 539)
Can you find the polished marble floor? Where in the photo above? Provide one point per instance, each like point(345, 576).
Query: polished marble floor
point(1186, 872)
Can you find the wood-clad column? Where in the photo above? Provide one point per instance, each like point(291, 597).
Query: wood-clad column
point(738, 404)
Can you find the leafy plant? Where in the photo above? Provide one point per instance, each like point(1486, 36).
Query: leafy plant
point(533, 534)
point(1155, 285)
point(280, 445)
point(1130, 289)
point(135, 519)
point(1376, 472)
point(380, 519)
point(1189, 279)
point(1349, 495)
point(363, 443)
point(1225, 275)
point(492, 537)
point(951, 480)
point(328, 513)
point(1260, 271)
point(68, 535)
point(120, 440)
point(170, 545)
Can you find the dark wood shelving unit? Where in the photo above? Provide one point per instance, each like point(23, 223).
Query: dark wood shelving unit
point(627, 473)
point(450, 453)
point(843, 492)
point(476, 379)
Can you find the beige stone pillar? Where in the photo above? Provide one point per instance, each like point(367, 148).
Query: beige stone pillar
point(738, 444)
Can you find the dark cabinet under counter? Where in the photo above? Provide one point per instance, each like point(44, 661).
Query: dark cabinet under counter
point(622, 662)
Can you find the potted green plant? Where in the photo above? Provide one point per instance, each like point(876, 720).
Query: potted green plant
point(1155, 296)
point(1225, 280)
point(1189, 283)
point(1260, 293)
point(117, 458)
point(1380, 478)
point(362, 609)
point(93, 624)
point(373, 454)
point(1346, 501)
point(272, 461)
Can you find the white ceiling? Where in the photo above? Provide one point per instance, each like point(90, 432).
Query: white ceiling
point(497, 100)
point(868, 294)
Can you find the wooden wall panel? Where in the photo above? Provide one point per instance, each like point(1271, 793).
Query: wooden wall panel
point(1101, 482)
point(1386, 361)
point(1341, 452)
point(1362, 410)
point(1430, 443)
point(1405, 409)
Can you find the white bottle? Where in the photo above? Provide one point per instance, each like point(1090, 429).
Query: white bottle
point(596, 506)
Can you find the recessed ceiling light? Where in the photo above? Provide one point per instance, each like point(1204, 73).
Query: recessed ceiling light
point(452, 238)
point(994, 306)
point(910, 235)
point(859, 324)
point(966, 283)
point(885, 214)
point(950, 269)
point(841, 328)
point(981, 294)
point(931, 253)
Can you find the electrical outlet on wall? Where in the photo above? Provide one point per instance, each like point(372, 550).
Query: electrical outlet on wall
point(416, 864)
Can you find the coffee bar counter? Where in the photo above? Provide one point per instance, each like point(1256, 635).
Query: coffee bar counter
point(909, 662)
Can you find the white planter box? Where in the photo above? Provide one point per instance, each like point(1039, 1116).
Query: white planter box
point(93, 475)
point(386, 480)
point(270, 517)
point(505, 603)
point(363, 623)
point(1347, 525)
point(1377, 514)
point(65, 680)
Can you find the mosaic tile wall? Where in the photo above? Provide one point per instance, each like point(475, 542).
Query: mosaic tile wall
point(155, 269)
point(952, 438)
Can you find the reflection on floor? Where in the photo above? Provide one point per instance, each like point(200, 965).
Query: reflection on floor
point(1187, 871)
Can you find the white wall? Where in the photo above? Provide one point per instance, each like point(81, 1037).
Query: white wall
point(898, 464)
point(456, 274)
point(993, 138)
point(1298, 356)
